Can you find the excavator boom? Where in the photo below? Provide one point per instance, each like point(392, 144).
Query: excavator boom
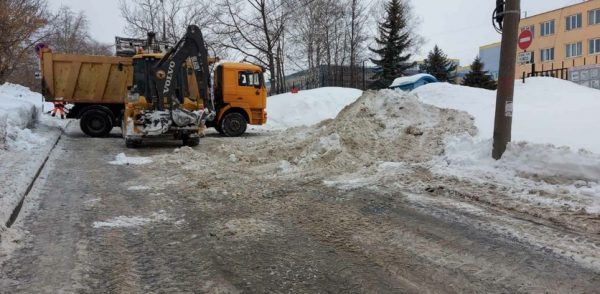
point(165, 72)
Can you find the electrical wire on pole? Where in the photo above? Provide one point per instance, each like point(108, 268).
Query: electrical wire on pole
point(508, 16)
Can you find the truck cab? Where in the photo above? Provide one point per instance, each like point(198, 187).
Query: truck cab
point(240, 98)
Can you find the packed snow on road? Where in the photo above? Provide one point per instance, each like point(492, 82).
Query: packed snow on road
point(552, 165)
point(390, 143)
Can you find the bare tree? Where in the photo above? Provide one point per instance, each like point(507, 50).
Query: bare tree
point(65, 32)
point(356, 22)
point(24, 73)
point(310, 36)
point(168, 18)
point(20, 21)
point(68, 32)
point(331, 33)
point(255, 28)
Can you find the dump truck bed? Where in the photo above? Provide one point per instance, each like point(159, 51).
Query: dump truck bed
point(85, 78)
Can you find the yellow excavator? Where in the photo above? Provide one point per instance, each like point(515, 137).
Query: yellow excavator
point(159, 100)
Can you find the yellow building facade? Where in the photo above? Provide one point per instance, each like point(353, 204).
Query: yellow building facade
point(568, 37)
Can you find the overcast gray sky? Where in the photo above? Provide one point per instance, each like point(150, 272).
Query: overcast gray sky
point(459, 27)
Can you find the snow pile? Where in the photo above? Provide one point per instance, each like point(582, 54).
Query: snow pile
point(392, 126)
point(546, 111)
point(131, 221)
point(138, 188)
point(379, 126)
point(19, 108)
point(122, 159)
point(307, 107)
point(529, 167)
point(464, 152)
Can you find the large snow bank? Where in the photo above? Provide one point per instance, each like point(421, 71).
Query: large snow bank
point(574, 175)
point(555, 148)
point(19, 108)
point(308, 107)
point(22, 148)
point(546, 111)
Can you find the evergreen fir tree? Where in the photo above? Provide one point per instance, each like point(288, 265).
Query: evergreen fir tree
point(438, 65)
point(479, 78)
point(393, 42)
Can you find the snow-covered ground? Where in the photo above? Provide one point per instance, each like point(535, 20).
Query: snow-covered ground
point(19, 108)
point(546, 110)
point(24, 143)
point(552, 165)
point(122, 159)
point(554, 146)
point(307, 107)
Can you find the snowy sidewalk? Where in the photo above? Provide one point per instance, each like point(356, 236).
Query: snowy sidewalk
point(26, 138)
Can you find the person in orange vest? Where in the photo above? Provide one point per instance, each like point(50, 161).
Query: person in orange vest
point(59, 107)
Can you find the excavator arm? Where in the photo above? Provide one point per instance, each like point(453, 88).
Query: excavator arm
point(166, 71)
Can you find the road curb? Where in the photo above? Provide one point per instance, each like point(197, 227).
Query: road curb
point(15, 213)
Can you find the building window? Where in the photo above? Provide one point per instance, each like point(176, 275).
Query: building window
point(574, 49)
point(547, 28)
point(547, 54)
point(594, 17)
point(595, 46)
point(574, 21)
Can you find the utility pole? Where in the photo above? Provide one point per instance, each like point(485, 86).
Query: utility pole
point(511, 14)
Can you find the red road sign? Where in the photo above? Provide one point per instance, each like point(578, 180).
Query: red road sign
point(525, 39)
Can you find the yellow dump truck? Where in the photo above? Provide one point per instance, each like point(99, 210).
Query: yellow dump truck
point(96, 86)
point(99, 87)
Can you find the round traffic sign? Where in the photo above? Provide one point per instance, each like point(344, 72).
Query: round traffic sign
point(525, 39)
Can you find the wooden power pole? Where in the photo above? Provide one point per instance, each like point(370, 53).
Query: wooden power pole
point(506, 77)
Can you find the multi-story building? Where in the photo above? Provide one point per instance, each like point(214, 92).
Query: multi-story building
point(565, 40)
point(490, 56)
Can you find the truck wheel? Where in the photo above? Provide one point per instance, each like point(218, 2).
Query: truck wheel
point(96, 123)
point(233, 124)
point(219, 129)
point(133, 143)
point(191, 142)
